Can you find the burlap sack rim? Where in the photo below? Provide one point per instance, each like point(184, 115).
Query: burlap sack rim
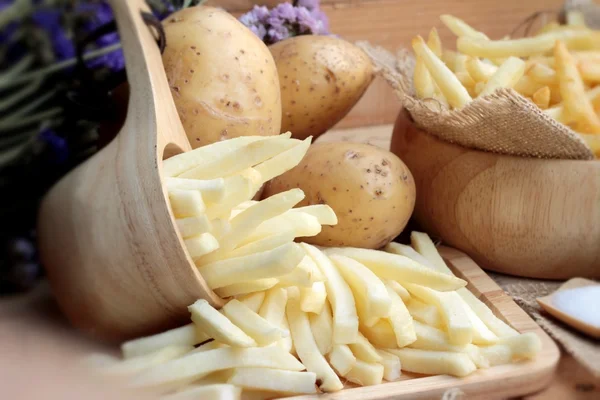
point(430, 116)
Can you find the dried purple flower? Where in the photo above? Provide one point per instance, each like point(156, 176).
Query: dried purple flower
point(101, 13)
point(57, 146)
point(50, 21)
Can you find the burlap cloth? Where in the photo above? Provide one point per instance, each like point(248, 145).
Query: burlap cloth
point(503, 122)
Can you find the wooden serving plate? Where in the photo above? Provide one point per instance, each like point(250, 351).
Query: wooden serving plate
point(498, 382)
point(521, 216)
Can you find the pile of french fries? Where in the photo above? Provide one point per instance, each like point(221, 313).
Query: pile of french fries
point(301, 319)
point(558, 69)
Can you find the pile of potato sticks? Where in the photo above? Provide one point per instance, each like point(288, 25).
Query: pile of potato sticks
point(558, 69)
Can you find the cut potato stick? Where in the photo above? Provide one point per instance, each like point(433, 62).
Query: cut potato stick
point(590, 71)
point(246, 287)
point(449, 58)
point(187, 335)
point(542, 73)
point(400, 268)
point(430, 338)
point(401, 320)
point(249, 219)
point(186, 203)
point(321, 326)
point(480, 71)
point(364, 350)
point(466, 80)
point(274, 380)
point(461, 28)
point(364, 282)
point(452, 310)
point(283, 162)
point(434, 362)
point(255, 326)
point(559, 113)
point(527, 86)
point(496, 325)
point(312, 300)
point(268, 264)
point(207, 155)
point(218, 391)
point(201, 245)
point(253, 300)
point(541, 97)
point(507, 75)
point(365, 374)
point(399, 289)
point(244, 157)
point(136, 364)
point(391, 365)
point(273, 306)
point(341, 359)
point(424, 85)
point(287, 343)
point(339, 294)
point(322, 212)
point(300, 223)
point(572, 91)
point(425, 313)
point(193, 226)
point(381, 334)
point(593, 141)
point(456, 95)
point(238, 188)
point(301, 276)
point(200, 364)
point(211, 190)
point(434, 42)
point(509, 349)
point(410, 252)
point(524, 47)
point(218, 326)
point(306, 347)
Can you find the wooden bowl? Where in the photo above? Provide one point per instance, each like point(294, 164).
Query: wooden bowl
point(521, 216)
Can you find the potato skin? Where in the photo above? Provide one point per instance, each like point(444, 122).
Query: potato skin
point(222, 77)
point(321, 79)
point(370, 189)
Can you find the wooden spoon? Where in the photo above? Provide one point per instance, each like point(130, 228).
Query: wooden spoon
point(576, 304)
point(107, 238)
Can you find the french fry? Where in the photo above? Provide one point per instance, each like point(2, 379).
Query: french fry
point(268, 264)
point(434, 362)
point(220, 227)
point(364, 350)
point(366, 284)
point(461, 28)
point(456, 95)
point(312, 300)
point(434, 42)
point(399, 289)
point(197, 365)
point(246, 287)
point(541, 97)
point(136, 364)
point(430, 338)
point(424, 85)
point(590, 71)
point(496, 325)
point(507, 75)
point(542, 74)
point(449, 58)
point(287, 343)
point(306, 347)
point(480, 71)
point(211, 190)
point(391, 365)
point(255, 326)
point(193, 226)
point(304, 275)
point(341, 359)
point(187, 335)
point(238, 188)
point(593, 141)
point(274, 380)
point(527, 86)
point(273, 306)
point(509, 349)
point(400, 268)
point(559, 113)
point(381, 334)
point(218, 326)
point(249, 219)
point(572, 91)
point(410, 252)
point(283, 162)
point(302, 224)
point(401, 320)
point(365, 374)
point(345, 318)
point(248, 156)
point(321, 326)
point(265, 244)
point(253, 300)
point(425, 313)
point(186, 203)
point(466, 80)
point(201, 245)
point(218, 391)
point(322, 212)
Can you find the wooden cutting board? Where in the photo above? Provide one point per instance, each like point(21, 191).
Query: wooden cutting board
point(498, 382)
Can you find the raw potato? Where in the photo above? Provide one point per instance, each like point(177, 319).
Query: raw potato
point(223, 78)
point(321, 79)
point(371, 191)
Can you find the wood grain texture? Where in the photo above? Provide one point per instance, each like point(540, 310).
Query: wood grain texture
point(520, 216)
point(114, 259)
point(498, 382)
point(393, 23)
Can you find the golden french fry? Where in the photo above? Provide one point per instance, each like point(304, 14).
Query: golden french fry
point(527, 86)
point(507, 75)
point(456, 94)
point(461, 28)
point(246, 287)
point(575, 18)
point(218, 326)
point(590, 71)
point(542, 73)
point(449, 58)
point(434, 362)
point(423, 82)
point(559, 113)
point(434, 42)
point(479, 70)
point(466, 80)
point(187, 335)
point(541, 97)
point(573, 91)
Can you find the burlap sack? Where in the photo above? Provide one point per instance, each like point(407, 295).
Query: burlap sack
point(504, 122)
